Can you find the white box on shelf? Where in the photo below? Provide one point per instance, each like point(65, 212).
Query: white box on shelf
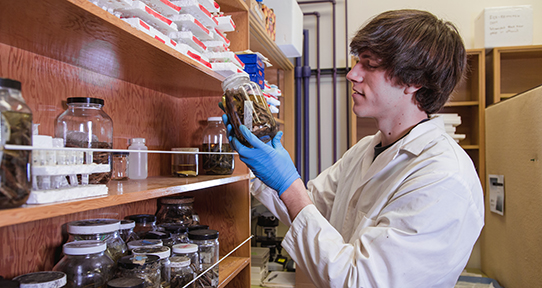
point(504, 26)
point(289, 26)
point(147, 14)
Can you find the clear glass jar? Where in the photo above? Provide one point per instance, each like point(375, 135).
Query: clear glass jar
point(181, 272)
point(126, 231)
point(188, 250)
point(144, 243)
point(146, 267)
point(207, 241)
point(15, 128)
point(45, 279)
point(99, 229)
point(178, 210)
point(185, 164)
point(144, 223)
point(86, 264)
point(215, 139)
point(84, 124)
point(162, 235)
point(126, 282)
point(245, 104)
point(120, 166)
point(162, 252)
point(179, 232)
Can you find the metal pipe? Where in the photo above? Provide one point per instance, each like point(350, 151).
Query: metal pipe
point(298, 111)
point(318, 75)
point(347, 65)
point(306, 102)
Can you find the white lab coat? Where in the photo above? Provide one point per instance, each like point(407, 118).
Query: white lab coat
point(408, 219)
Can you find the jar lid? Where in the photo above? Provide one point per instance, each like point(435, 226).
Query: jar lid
point(126, 282)
point(185, 248)
point(88, 100)
point(174, 228)
point(10, 83)
point(144, 243)
point(126, 224)
point(214, 119)
point(84, 247)
point(93, 226)
point(177, 200)
point(4, 283)
point(157, 235)
point(142, 218)
point(121, 153)
point(137, 261)
point(47, 279)
point(234, 77)
point(197, 227)
point(203, 234)
point(137, 140)
point(162, 251)
point(179, 261)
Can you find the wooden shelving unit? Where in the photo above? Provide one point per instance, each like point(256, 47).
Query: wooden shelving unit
point(512, 70)
point(468, 100)
point(64, 48)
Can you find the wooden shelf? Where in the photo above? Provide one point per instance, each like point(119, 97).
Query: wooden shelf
point(470, 147)
point(120, 192)
point(461, 103)
point(229, 268)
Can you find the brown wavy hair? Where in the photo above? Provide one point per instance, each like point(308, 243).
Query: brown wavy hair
point(416, 48)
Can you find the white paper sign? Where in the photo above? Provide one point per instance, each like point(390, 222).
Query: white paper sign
point(496, 194)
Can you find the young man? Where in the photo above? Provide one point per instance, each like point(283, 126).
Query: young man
point(402, 208)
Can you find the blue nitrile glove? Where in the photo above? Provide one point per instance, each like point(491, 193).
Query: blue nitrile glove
point(270, 162)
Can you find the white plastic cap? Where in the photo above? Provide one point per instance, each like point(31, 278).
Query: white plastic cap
point(84, 247)
point(185, 248)
point(126, 224)
point(214, 119)
point(179, 261)
point(42, 141)
point(144, 243)
point(45, 279)
point(138, 140)
point(58, 142)
point(163, 251)
point(93, 226)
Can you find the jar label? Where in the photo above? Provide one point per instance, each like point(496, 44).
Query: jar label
point(248, 111)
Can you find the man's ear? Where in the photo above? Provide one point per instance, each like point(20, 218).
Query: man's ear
point(411, 89)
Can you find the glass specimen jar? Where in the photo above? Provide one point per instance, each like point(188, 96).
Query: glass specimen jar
point(162, 235)
point(15, 128)
point(178, 210)
point(207, 241)
point(162, 252)
point(181, 272)
point(144, 243)
point(146, 267)
point(126, 230)
point(126, 282)
point(184, 165)
point(85, 125)
point(120, 166)
point(190, 251)
point(245, 104)
point(99, 229)
point(144, 223)
point(179, 232)
point(86, 264)
point(215, 139)
point(49, 279)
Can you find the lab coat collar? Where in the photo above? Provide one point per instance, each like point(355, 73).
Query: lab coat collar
point(423, 133)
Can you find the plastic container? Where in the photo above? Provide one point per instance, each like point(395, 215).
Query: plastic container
point(162, 252)
point(99, 229)
point(126, 231)
point(146, 267)
point(185, 165)
point(120, 166)
point(86, 264)
point(15, 128)
point(245, 104)
point(215, 139)
point(137, 164)
point(190, 251)
point(208, 249)
point(84, 124)
point(144, 223)
point(126, 282)
point(181, 272)
point(46, 279)
point(178, 210)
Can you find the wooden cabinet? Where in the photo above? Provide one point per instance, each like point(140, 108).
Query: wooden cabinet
point(467, 100)
point(512, 70)
point(65, 48)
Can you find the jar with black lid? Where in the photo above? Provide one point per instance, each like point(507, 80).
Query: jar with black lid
point(143, 223)
point(45, 279)
point(177, 209)
point(4, 283)
point(99, 229)
point(85, 125)
point(16, 129)
point(162, 235)
point(179, 232)
point(146, 267)
point(126, 282)
point(208, 250)
point(86, 264)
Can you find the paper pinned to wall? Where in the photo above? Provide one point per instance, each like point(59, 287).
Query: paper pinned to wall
point(496, 194)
